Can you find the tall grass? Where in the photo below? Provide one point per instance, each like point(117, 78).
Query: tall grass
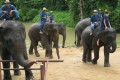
point(60, 16)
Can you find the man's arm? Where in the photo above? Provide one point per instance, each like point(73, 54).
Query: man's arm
point(3, 9)
point(105, 23)
point(110, 25)
point(13, 9)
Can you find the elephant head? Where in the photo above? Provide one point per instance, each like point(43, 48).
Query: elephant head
point(12, 40)
point(108, 37)
point(52, 30)
point(50, 27)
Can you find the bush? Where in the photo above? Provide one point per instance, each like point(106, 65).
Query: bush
point(59, 16)
point(27, 14)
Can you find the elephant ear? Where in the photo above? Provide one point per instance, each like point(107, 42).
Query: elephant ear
point(107, 35)
point(48, 27)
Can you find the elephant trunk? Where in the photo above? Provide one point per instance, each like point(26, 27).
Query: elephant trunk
point(113, 46)
point(22, 61)
point(20, 56)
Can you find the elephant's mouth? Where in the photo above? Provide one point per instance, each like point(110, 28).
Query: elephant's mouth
point(112, 47)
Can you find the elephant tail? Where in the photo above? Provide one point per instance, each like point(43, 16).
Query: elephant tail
point(75, 38)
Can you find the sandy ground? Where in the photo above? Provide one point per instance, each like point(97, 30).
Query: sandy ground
point(74, 69)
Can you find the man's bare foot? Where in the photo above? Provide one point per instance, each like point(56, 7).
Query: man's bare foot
point(98, 42)
point(91, 33)
point(41, 32)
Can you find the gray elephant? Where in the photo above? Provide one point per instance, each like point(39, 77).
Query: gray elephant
point(12, 42)
point(62, 31)
point(81, 25)
point(51, 33)
point(107, 38)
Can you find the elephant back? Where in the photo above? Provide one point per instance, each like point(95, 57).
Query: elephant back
point(83, 24)
point(12, 24)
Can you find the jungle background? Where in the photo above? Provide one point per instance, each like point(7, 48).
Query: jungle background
point(67, 11)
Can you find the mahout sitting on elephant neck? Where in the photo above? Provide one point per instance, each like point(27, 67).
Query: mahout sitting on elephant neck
point(107, 39)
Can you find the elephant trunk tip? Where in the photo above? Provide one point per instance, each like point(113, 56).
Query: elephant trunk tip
point(30, 63)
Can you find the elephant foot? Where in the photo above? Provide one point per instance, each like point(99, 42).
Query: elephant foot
point(7, 78)
point(30, 78)
point(78, 45)
point(17, 73)
point(31, 53)
point(30, 63)
point(107, 65)
point(37, 55)
point(53, 46)
point(49, 57)
point(94, 61)
point(84, 60)
point(89, 60)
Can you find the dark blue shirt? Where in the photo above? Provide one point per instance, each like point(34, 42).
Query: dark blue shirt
point(95, 18)
point(51, 16)
point(100, 15)
point(5, 8)
point(43, 14)
point(106, 18)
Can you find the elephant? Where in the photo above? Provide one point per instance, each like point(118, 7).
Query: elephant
point(51, 32)
point(62, 31)
point(12, 42)
point(81, 25)
point(107, 38)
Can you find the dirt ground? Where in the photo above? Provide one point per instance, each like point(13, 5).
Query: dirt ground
point(74, 69)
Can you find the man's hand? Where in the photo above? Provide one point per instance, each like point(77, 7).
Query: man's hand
point(5, 12)
point(11, 12)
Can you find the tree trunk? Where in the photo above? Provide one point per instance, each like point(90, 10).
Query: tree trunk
point(81, 10)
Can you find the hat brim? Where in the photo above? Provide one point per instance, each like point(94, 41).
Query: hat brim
point(7, 2)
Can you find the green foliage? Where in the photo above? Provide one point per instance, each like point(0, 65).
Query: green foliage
point(29, 9)
point(90, 5)
point(27, 14)
point(74, 10)
point(62, 16)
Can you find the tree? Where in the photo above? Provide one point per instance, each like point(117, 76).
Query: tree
point(81, 10)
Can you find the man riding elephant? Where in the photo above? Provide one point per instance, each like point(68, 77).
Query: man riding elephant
point(95, 21)
point(43, 18)
point(105, 23)
point(51, 32)
point(8, 11)
point(107, 38)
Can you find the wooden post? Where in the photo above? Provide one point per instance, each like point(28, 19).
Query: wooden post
point(81, 10)
point(0, 72)
point(43, 71)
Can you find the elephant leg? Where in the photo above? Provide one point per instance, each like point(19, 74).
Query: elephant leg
point(35, 49)
point(48, 54)
point(89, 56)
point(7, 75)
point(64, 38)
point(28, 74)
point(84, 55)
point(53, 45)
point(15, 65)
point(106, 57)
point(46, 44)
point(78, 40)
point(96, 55)
point(31, 49)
